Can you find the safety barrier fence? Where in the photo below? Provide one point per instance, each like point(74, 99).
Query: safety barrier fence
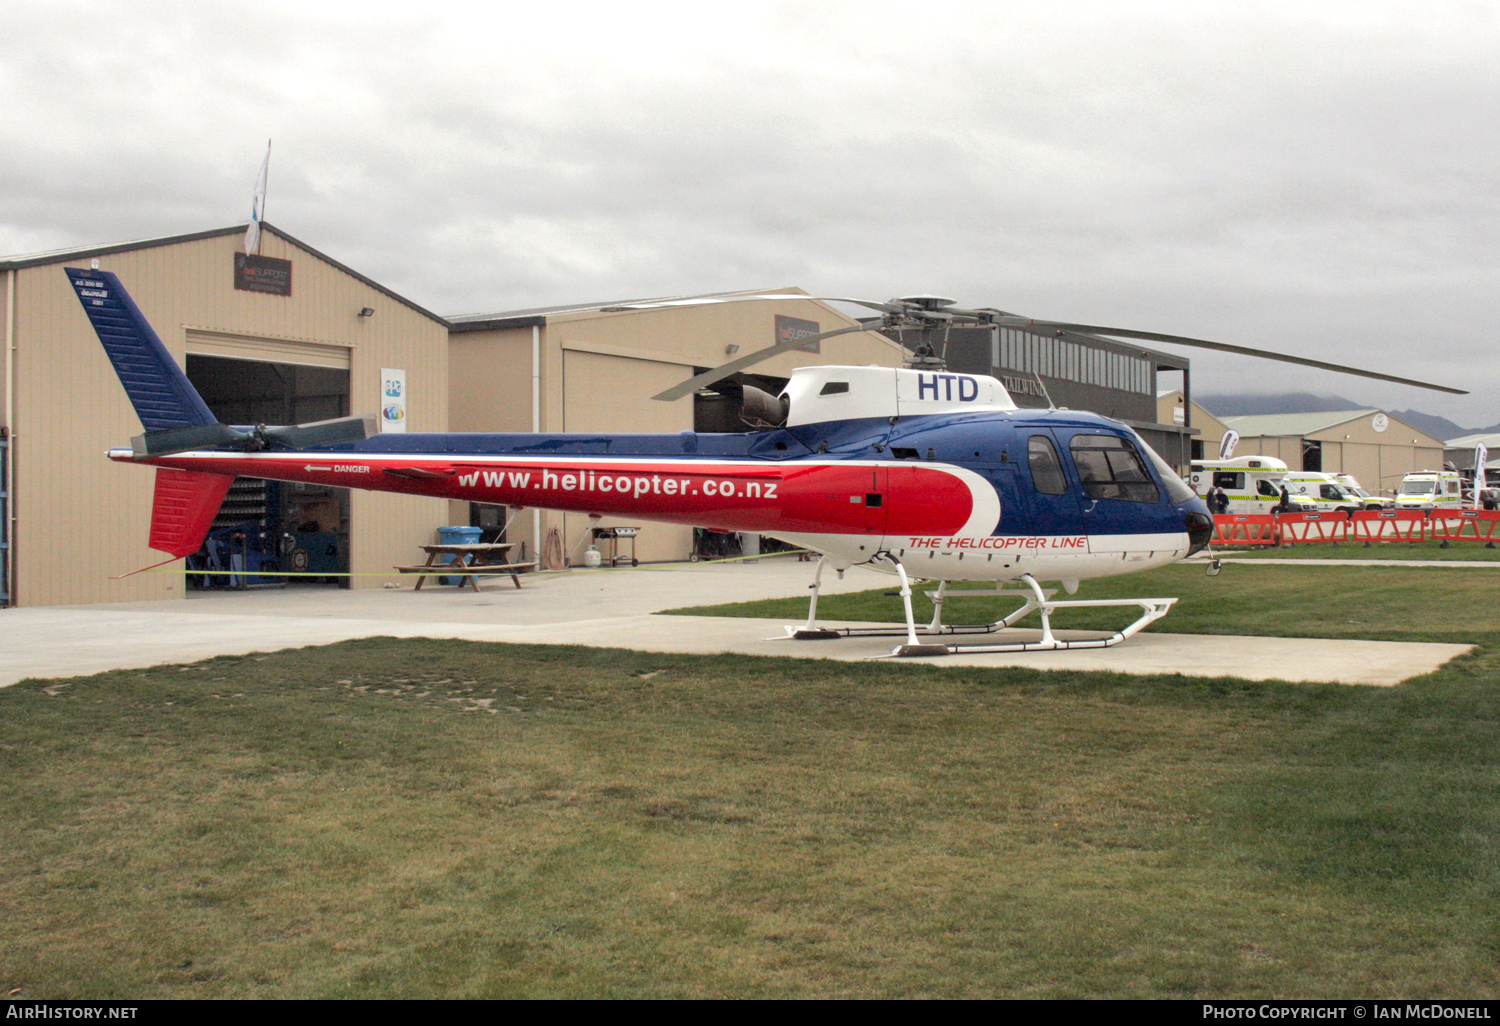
point(1376, 525)
point(1245, 529)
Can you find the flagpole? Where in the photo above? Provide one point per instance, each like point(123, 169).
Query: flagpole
point(263, 195)
point(258, 205)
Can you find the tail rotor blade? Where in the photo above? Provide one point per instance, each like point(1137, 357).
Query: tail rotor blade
point(187, 439)
point(323, 432)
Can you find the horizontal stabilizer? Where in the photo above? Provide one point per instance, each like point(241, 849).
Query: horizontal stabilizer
point(184, 509)
point(162, 396)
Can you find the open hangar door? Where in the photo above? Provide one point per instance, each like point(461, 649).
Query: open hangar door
point(266, 526)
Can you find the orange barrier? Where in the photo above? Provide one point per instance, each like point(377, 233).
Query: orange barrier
point(1387, 525)
point(1465, 524)
point(1245, 529)
point(1309, 528)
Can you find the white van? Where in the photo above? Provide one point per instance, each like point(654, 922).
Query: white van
point(1352, 486)
point(1325, 491)
point(1430, 489)
point(1253, 483)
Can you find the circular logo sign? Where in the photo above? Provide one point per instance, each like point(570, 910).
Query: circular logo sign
point(1380, 422)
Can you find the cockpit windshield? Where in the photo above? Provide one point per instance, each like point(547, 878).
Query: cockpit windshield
point(1178, 490)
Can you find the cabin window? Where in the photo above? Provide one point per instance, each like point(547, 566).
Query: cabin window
point(1110, 468)
point(1046, 469)
point(1234, 481)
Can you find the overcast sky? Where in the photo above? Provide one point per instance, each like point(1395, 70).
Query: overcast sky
point(1320, 179)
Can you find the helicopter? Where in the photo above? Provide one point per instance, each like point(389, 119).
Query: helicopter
point(914, 471)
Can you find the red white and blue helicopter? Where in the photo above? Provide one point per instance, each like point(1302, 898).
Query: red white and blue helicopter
point(918, 472)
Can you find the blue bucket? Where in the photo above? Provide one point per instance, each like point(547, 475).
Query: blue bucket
point(456, 536)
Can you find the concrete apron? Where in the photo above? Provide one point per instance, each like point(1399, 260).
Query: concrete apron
point(615, 610)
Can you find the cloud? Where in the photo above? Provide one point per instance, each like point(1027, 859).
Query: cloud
point(1319, 182)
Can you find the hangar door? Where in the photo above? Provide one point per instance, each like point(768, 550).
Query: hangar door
point(270, 526)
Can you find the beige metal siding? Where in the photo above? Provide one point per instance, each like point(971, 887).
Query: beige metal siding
point(82, 518)
point(602, 393)
point(489, 385)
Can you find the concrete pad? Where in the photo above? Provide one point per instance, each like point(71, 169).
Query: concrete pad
point(615, 609)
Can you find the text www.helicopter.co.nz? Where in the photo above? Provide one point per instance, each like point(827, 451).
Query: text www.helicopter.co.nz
point(633, 485)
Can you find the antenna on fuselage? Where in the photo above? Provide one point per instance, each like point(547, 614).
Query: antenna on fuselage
point(1045, 394)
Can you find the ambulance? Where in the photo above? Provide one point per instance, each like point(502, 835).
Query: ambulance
point(1430, 489)
point(1352, 486)
point(1325, 491)
point(1253, 483)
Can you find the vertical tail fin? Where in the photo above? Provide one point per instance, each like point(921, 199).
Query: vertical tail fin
point(184, 508)
point(162, 395)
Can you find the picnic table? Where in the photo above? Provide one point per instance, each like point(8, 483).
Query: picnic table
point(481, 559)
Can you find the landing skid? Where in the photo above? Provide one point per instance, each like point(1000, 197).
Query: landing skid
point(1034, 599)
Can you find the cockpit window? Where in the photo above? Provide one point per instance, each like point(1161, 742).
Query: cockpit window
point(1110, 468)
point(1046, 468)
point(1178, 490)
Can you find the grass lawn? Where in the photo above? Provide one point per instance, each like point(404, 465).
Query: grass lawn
point(1460, 550)
point(415, 818)
point(1316, 601)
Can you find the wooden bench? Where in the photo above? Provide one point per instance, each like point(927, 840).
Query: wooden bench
point(468, 562)
point(469, 571)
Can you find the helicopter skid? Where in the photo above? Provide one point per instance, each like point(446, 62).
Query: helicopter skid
point(1152, 609)
point(1034, 599)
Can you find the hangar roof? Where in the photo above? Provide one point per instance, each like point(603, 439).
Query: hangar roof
point(536, 316)
point(1490, 439)
point(19, 262)
point(1286, 425)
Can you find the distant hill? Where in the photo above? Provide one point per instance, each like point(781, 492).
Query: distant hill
point(1306, 402)
point(1437, 427)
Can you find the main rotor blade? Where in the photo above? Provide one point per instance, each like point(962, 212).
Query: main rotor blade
point(734, 366)
point(1223, 347)
point(711, 300)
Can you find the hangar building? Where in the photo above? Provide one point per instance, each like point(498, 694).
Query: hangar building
point(1375, 447)
point(589, 368)
point(293, 337)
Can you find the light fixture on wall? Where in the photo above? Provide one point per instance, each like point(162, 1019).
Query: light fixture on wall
point(731, 349)
point(367, 311)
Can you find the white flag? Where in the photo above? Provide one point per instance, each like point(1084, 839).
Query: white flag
point(1227, 444)
point(1481, 477)
point(258, 205)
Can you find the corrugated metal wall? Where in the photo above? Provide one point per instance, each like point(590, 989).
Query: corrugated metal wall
point(80, 518)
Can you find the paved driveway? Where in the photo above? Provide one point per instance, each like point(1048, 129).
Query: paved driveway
point(613, 608)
